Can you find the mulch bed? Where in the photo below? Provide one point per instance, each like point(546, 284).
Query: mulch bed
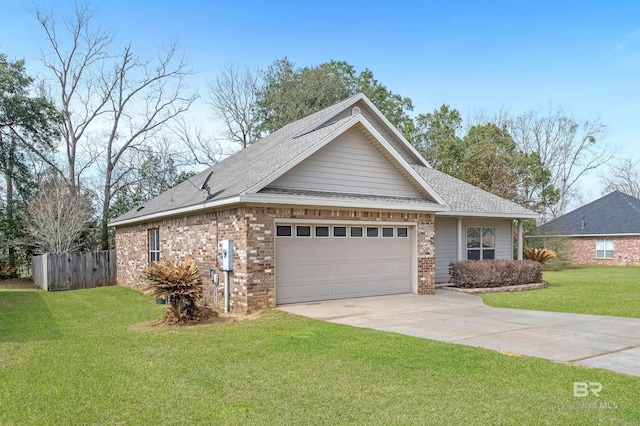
point(18, 284)
point(523, 287)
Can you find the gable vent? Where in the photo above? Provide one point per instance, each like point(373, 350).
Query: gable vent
point(355, 111)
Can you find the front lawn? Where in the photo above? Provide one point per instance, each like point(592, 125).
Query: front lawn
point(598, 290)
point(83, 357)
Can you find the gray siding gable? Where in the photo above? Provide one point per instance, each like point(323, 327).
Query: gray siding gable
point(348, 164)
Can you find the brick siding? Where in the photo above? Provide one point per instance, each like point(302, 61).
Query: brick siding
point(626, 251)
point(198, 237)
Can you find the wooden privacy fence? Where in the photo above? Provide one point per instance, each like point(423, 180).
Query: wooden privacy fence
point(71, 271)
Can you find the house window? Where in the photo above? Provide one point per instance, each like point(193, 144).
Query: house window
point(322, 231)
point(481, 243)
point(372, 232)
point(387, 232)
point(283, 230)
point(356, 231)
point(402, 232)
point(303, 231)
point(604, 248)
point(154, 245)
point(339, 231)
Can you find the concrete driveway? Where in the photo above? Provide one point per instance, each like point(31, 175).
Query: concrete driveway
point(597, 341)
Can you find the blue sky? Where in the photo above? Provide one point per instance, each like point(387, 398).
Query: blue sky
point(583, 56)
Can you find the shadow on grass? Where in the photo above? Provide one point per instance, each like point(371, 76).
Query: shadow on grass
point(24, 316)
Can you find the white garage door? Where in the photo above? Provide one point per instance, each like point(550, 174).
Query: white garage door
point(322, 262)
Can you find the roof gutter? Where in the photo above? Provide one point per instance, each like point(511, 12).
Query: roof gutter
point(460, 213)
point(286, 200)
point(176, 212)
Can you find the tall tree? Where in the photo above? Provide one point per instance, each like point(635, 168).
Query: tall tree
point(569, 148)
point(493, 162)
point(288, 93)
point(27, 132)
point(623, 176)
point(154, 175)
point(488, 160)
point(114, 102)
point(76, 56)
point(232, 96)
point(487, 156)
point(437, 138)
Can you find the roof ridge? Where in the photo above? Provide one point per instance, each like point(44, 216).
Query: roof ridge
point(628, 201)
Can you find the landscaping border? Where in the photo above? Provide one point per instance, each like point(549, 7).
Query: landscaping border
point(522, 287)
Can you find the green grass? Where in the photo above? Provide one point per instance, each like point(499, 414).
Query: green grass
point(598, 290)
point(78, 357)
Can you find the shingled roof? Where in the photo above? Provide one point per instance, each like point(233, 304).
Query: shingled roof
point(615, 213)
point(240, 174)
point(462, 197)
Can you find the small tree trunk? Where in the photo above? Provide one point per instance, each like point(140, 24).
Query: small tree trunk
point(8, 176)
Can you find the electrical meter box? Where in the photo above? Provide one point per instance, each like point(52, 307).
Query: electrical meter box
point(227, 255)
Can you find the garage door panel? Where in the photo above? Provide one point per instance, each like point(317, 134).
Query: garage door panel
point(309, 269)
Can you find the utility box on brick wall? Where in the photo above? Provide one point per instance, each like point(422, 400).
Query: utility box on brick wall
point(227, 255)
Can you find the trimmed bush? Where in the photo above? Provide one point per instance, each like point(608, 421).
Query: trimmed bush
point(181, 283)
point(495, 273)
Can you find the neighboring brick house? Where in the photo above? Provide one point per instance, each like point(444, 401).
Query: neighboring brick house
point(335, 205)
point(603, 232)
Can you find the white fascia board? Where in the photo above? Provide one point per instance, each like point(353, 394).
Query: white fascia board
point(585, 235)
point(401, 160)
point(491, 215)
point(396, 132)
point(176, 212)
point(328, 117)
point(304, 200)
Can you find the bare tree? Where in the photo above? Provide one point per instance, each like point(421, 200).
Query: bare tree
point(232, 96)
point(623, 176)
point(147, 96)
point(202, 148)
point(75, 59)
point(568, 147)
point(57, 217)
point(114, 102)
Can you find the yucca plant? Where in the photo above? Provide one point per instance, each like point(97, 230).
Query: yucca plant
point(541, 255)
point(181, 283)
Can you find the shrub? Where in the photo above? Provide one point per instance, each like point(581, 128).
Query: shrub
point(561, 246)
point(181, 283)
point(495, 273)
point(541, 255)
point(7, 271)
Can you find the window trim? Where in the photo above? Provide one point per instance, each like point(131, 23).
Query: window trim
point(153, 234)
point(481, 249)
point(355, 236)
point(604, 248)
point(315, 231)
point(346, 231)
point(285, 236)
point(304, 236)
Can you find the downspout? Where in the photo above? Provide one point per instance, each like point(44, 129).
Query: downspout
point(459, 241)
